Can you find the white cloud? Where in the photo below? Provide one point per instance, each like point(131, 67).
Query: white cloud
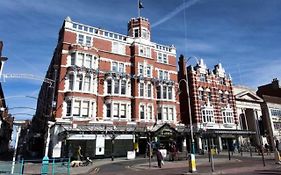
point(177, 10)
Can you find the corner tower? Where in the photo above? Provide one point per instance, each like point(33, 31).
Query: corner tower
point(139, 28)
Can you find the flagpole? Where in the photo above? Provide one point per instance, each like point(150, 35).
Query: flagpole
point(138, 8)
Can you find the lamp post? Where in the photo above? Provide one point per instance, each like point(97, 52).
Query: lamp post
point(192, 163)
point(2, 59)
point(259, 137)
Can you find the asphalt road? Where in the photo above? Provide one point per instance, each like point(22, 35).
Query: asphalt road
point(244, 166)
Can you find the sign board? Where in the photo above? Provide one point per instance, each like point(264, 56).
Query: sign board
point(100, 144)
point(131, 155)
point(163, 152)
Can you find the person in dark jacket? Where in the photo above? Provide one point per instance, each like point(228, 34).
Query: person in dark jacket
point(159, 158)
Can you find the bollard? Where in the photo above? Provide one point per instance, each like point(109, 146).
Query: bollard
point(22, 167)
point(53, 166)
point(45, 165)
point(68, 167)
point(212, 160)
point(251, 152)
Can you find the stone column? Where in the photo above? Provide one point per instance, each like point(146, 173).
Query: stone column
point(220, 144)
point(199, 142)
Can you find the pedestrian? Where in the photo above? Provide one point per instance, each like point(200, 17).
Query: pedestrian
point(159, 158)
point(78, 153)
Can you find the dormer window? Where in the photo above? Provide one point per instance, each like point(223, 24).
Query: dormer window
point(221, 81)
point(203, 77)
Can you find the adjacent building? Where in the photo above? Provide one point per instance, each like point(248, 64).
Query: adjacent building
point(212, 102)
point(6, 121)
point(107, 91)
point(271, 112)
point(249, 113)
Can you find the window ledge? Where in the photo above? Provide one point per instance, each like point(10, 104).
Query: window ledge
point(228, 125)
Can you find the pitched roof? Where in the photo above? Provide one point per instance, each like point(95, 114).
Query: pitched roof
point(271, 99)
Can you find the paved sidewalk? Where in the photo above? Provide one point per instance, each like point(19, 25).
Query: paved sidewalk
point(200, 160)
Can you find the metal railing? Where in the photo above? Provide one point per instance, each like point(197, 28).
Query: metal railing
point(53, 166)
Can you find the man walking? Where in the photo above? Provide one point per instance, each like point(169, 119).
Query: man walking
point(159, 158)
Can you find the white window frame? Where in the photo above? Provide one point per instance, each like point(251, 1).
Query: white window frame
point(144, 51)
point(118, 48)
point(207, 113)
point(84, 40)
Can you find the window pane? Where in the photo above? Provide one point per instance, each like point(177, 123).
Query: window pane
point(88, 61)
point(123, 87)
point(71, 81)
point(159, 57)
point(164, 92)
point(141, 112)
point(85, 109)
point(123, 111)
point(87, 83)
point(108, 110)
point(116, 110)
point(159, 114)
point(80, 59)
point(116, 86)
point(88, 41)
point(68, 107)
point(149, 112)
point(79, 81)
point(140, 69)
point(76, 108)
point(170, 93)
point(158, 89)
point(148, 90)
point(148, 71)
point(136, 33)
point(141, 89)
point(80, 39)
point(114, 67)
point(160, 74)
point(171, 113)
point(109, 86)
point(121, 67)
point(165, 58)
point(72, 61)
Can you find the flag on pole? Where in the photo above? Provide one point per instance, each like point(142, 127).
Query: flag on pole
point(140, 5)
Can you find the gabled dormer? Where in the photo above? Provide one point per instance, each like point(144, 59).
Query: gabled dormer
point(219, 70)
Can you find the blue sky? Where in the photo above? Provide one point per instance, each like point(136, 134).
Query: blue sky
point(243, 35)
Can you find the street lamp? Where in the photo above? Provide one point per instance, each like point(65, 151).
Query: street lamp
point(192, 163)
point(2, 59)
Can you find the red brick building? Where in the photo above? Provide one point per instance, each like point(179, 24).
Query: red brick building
point(110, 88)
point(212, 103)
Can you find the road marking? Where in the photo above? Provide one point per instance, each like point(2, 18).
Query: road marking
point(96, 170)
point(132, 168)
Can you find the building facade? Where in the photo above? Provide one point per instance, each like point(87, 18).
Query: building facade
point(6, 121)
point(109, 89)
point(249, 113)
point(271, 112)
point(213, 109)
